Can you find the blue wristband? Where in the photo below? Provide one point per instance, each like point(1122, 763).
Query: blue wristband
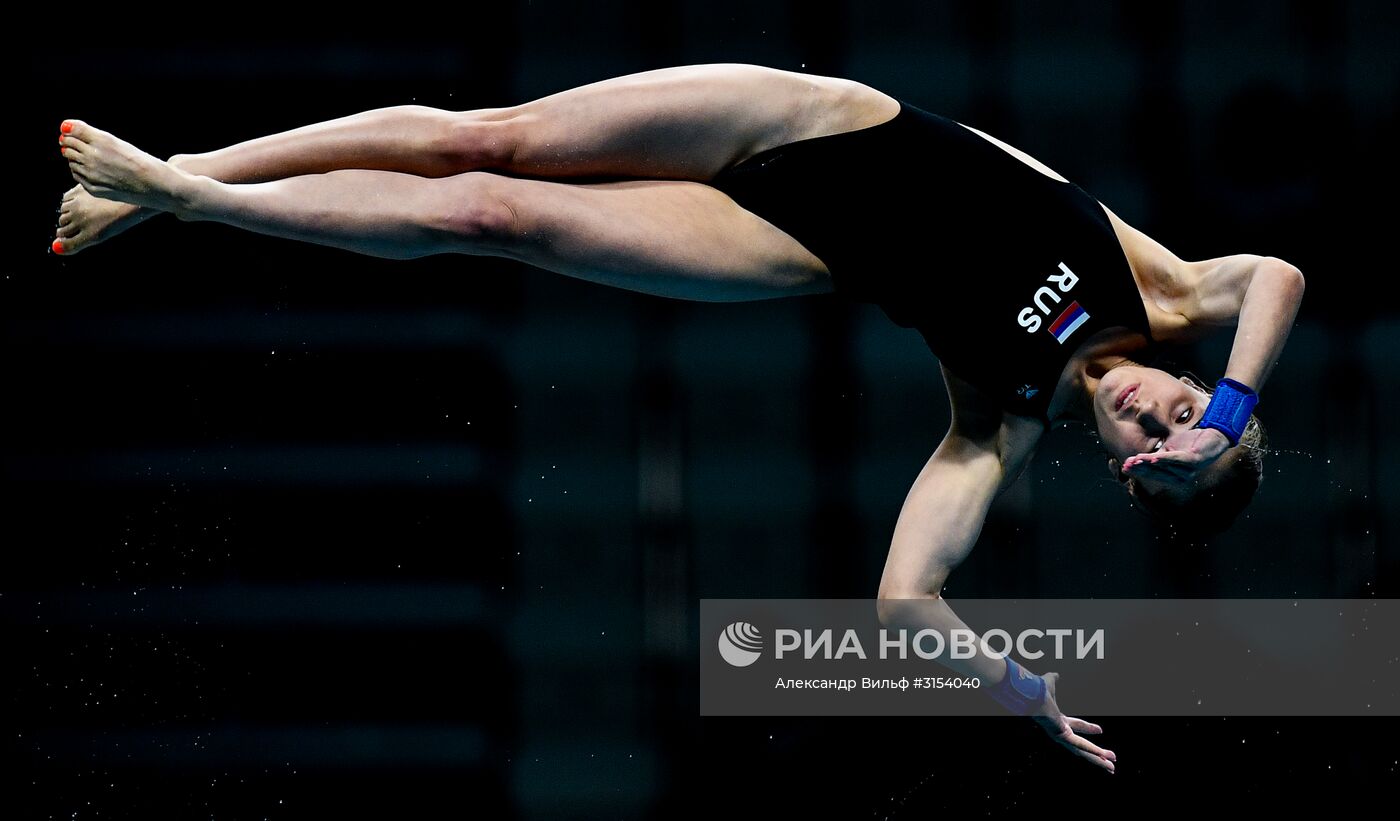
point(1229, 409)
point(1020, 691)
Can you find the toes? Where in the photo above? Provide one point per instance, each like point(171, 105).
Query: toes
point(76, 129)
point(65, 218)
point(68, 245)
point(78, 136)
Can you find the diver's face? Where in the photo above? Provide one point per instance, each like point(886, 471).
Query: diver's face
point(1141, 410)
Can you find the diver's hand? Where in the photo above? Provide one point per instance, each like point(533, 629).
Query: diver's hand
point(1065, 730)
point(1181, 459)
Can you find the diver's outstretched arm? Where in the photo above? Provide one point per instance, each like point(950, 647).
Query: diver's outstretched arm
point(983, 453)
point(938, 525)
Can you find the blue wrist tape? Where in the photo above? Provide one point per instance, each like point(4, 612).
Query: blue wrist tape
point(1229, 409)
point(1020, 691)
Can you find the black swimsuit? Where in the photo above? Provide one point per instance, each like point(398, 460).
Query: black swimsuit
point(1002, 269)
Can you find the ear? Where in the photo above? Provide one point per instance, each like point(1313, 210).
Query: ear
point(1192, 384)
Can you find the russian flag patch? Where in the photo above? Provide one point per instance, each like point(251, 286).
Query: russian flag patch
point(1066, 323)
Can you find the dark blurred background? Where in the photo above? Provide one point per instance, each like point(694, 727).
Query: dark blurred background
point(294, 533)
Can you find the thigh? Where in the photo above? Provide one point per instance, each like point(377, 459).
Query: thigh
point(685, 122)
point(669, 238)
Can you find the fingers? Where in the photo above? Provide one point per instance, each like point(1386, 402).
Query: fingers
point(1175, 465)
point(1137, 460)
point(1084, 744)
point(1141, 468)
point(1096, 760)
point(1160, 457)
point(1079, 725)
point(1062, 729)
point(1089, 751)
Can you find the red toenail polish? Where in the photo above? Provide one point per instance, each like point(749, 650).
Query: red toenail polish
point(58, 246)
point(67, 127)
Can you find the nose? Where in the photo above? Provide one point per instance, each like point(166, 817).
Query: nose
point(1146, 410)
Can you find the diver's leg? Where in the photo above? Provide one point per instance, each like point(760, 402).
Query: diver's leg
point(666, 237)
point(685, 122)
point(413, 139)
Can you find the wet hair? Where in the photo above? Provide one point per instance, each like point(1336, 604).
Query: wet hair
point(1211, 509)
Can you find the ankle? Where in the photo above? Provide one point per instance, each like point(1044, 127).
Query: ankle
point(187, 162)
point(188, 193)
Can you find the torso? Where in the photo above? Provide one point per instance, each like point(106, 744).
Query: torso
point(847, 106)
point(1149, 260)
point(1150, 263)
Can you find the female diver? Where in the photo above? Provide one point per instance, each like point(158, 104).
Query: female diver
point(737, 182)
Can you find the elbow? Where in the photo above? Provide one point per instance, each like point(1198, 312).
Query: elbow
point(1289, 275)
point(925, 584)
point(893, 598)
point(896, 591)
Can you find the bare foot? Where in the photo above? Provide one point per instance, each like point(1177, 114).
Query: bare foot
point(114, 169)
point(85, 220)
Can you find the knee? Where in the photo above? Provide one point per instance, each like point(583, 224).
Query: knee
point(476, 139)
point(474, 211)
